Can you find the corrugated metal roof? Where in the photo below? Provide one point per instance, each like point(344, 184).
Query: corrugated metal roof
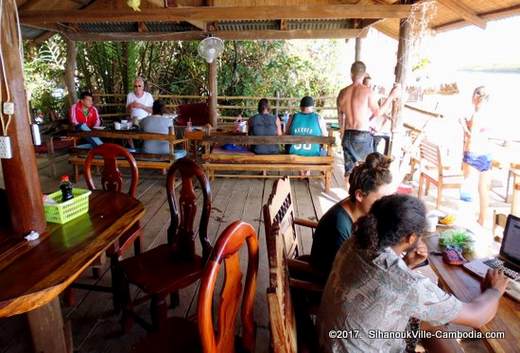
point(320, 24)
point(169, 27)
point(247, 25)
point(112, 27)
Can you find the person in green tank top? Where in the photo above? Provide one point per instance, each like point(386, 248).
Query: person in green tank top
point(306, 123)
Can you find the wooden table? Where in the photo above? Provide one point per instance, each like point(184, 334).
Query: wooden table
point(33, 274)
point(466, 287)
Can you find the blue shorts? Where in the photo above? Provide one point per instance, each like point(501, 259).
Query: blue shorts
point(481, 162)
point(357, 145)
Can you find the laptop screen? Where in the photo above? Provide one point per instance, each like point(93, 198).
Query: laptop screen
point(510, 248)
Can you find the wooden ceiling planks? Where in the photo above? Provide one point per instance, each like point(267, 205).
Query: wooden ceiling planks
point(205, 15)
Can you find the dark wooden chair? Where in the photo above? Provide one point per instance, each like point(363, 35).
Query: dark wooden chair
point(167, 268)
point(433, 171)
point(182, 335)
point(112, 180)
point(198, 113)
point(279, 210)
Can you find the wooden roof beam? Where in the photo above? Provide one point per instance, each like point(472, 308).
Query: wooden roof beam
point(196, 23)
point(486, 16)
point(464, 11)
point(217, 13)
point(227, 35)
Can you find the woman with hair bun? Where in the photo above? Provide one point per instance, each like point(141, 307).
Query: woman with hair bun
point(372, 290)
point(369, 181)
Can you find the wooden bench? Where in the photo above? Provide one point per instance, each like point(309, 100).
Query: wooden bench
point(217, 160)
point(161, 162)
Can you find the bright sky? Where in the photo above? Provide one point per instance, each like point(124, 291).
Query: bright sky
point(465, 47)
point(497, 44)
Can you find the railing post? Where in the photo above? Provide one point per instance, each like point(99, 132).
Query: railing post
point(277, 106)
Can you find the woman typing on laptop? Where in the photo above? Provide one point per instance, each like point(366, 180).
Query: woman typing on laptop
point(372, 287)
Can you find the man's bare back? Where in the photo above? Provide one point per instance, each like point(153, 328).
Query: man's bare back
point(354, 106)
point(357, 103)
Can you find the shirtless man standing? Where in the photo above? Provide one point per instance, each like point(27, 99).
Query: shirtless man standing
point(356, 104)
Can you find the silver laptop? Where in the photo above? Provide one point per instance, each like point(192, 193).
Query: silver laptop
point(508, 259)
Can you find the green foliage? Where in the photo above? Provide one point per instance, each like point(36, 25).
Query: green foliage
point(44, 68)
point(457, 238)
point(246, 68)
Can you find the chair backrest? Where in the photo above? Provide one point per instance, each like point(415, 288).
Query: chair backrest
point(226, 251)
point(282, 320)
point(184, 209)
point(197, 112)
point(280, 209)
point(111, 177)
point(430, 153)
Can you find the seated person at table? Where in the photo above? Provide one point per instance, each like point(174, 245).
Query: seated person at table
point(369, 181)
point(84, 116)
point(372, 287)
point(139, 103)
point(264, 124)
point(306, 123)
point(158, 124)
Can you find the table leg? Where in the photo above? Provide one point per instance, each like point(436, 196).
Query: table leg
point(48, 331)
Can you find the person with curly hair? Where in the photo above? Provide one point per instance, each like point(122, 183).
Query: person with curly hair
point(368, 181)
point(372, 289)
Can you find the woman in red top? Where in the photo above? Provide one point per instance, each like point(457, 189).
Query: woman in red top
point(84, 112)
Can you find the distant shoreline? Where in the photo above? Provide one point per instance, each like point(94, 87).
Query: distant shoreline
point(505, 70)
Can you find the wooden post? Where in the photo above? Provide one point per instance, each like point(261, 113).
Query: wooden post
point(402, 70)
point(213, 93)
point(21, 179)
point(357, 53)
point(359, 42)
point(277, 106)
point(515, 202)
point(70, 70)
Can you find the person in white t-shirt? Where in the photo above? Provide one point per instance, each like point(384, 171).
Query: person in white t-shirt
point(139, 103)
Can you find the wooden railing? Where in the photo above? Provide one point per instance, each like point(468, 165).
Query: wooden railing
point(112, 106)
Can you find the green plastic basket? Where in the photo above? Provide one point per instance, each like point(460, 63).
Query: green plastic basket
point(62, 212)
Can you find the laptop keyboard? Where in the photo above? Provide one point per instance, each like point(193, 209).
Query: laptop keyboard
point(499, 265)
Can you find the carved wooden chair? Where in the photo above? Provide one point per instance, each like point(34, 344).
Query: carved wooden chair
point(279, 210)
point(167, 268)
point(112, 180)
point(182, 335)
point(301, 280)
point(433, 171)
point(282, 321)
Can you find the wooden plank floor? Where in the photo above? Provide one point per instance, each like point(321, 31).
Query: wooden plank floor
point(96, 329)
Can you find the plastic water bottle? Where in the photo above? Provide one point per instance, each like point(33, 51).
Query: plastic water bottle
point(66, 188)
point(189, 127)
point(238, 123)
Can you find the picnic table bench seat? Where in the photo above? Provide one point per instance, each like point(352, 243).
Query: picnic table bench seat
point(78, 153)
point(219, 162)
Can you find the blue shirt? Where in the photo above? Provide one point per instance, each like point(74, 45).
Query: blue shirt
point(159, 125)
point(263, 125)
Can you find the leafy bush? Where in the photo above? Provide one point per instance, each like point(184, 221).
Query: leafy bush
point(457, 238)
